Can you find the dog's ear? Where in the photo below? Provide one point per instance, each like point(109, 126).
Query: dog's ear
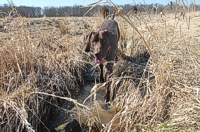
point(87, 42)
point(102, 32)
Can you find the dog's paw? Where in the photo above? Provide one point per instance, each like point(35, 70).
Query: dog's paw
point(106, 106)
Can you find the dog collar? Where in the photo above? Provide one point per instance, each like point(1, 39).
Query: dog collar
point(109, 47)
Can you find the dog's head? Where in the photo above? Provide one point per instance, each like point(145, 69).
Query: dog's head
point(100, 42)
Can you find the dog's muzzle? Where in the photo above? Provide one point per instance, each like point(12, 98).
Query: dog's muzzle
point(98, 56)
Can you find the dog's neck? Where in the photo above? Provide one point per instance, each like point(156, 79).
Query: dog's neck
point(109, 47)
point(108, 50)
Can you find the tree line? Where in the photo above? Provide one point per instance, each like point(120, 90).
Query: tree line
point(77, 10)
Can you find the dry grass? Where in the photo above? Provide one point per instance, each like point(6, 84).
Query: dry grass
point(165, 97)
point(170, 100)
point(42, 64)
point(33, 60)
point(98, 20)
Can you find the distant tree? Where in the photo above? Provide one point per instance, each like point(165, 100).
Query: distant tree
point(171, 4)
point(78, 10)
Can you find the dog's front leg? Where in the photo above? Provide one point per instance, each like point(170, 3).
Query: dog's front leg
point(101, 73)
point(107, 95)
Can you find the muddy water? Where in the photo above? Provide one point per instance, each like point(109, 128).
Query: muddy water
point(62, 119)
point(65, 120)
point(85, 92)
point(104, 116)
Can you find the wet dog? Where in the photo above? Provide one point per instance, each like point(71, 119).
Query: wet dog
point(104, 43)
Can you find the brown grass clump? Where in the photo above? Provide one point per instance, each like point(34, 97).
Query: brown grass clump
point(62, 27)
point(123, 30)
point(98, 20)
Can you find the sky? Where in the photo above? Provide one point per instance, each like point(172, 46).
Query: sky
point(57, 3)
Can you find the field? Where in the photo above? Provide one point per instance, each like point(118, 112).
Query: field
point(42, 72)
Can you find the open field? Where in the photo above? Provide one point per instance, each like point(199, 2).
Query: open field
point(42, 67)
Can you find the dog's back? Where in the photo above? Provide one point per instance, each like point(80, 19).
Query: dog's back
point(111, 25)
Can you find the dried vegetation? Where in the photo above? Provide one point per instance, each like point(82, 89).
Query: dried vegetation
point(160, 93)
point(155, 82)
point(36, 59)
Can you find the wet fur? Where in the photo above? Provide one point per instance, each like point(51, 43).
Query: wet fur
point(107, 35)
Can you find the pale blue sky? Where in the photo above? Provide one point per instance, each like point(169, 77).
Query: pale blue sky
point(57, 3)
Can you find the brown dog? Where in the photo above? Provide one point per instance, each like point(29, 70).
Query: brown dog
point(104, 42)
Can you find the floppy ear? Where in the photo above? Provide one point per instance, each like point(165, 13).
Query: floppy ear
point(101, 33)
point(86, 41)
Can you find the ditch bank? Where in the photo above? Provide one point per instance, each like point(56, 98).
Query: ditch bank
point(69, 120)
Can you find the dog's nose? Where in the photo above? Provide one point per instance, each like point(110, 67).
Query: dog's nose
point(97, 54)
